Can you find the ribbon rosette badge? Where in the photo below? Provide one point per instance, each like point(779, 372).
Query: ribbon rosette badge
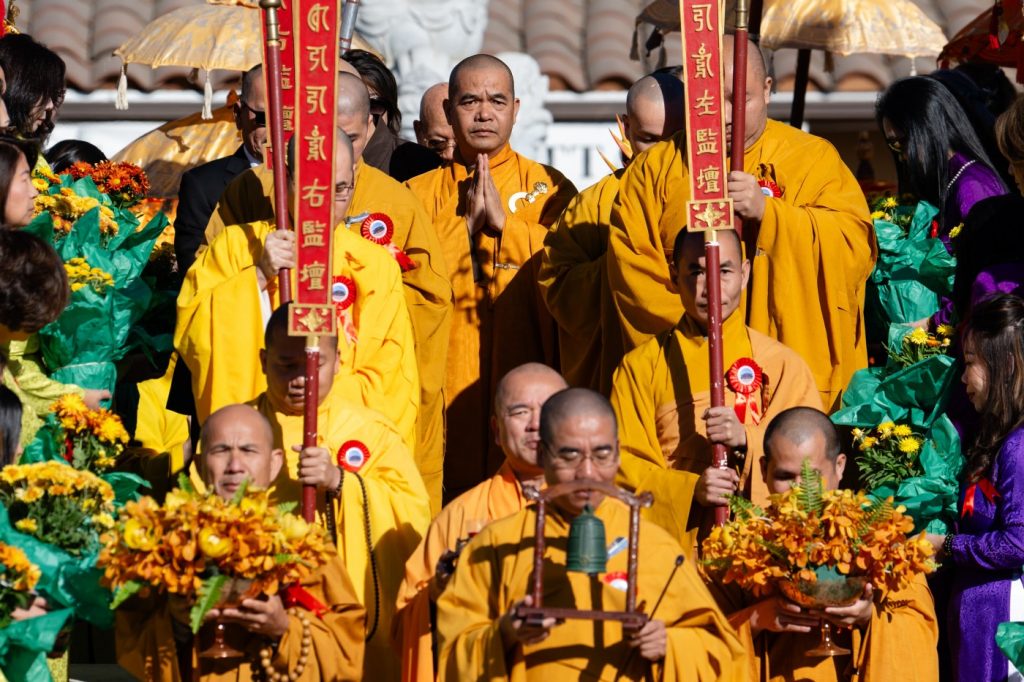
point(617, 580)
point(352, 455)
point(343, 292)
point(744, 378)
point(769, 188)
point(378, 228)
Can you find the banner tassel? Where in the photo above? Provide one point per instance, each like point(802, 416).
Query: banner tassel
point(121, 101)
point(207, 99)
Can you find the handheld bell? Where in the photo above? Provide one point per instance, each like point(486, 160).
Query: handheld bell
point(586, 552)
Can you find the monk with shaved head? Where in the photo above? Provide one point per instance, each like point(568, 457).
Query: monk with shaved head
point(392, 222)
point(154, 641)
point(574, 267)
point(515, 424)
point(480, 636)
point(883, 633)
point(806, 227)
point(491, 208)
point(432, 128)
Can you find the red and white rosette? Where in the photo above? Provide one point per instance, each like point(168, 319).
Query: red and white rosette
point(617, 580)
point(744, 379)
point(343, 294)
point(769, 188)
point(353, 455)
point(378, 228)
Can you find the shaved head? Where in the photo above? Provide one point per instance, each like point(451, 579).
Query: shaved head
point(432, 128)
point(345, 67)
point(518, 401)
point(234, 413)
point(531, 372)
point(688, 238)
point(570, 403)
point(654, 110)
point(479, 62)
point(799, 425)
point(237, 445)
point(353, 114)
point(759, 88)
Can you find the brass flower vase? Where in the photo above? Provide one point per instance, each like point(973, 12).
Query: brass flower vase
point(830, 589)
point(228, 638)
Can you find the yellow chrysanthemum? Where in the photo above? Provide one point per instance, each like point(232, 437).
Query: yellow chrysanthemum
point(27, 525)
point(902, 431)
point(955, 232)
point(918, 337)
point(879, 215)
point(858, 433)
point(868, 443)
point(909, 446)
point(946, 330)
point(890, 202)
point(885, 429)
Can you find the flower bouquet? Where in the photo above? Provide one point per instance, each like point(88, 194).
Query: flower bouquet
point(125, 183)
point(106, 250)
point(818, 547)
point(211, 551)
point(915, 345)
point(887, 454)
point(24, 644)
point(90, 440)
point(56, 514)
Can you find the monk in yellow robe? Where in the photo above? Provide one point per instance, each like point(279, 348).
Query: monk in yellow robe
point(516, 420)
point(480, 636)
point(662, 397)
point(574, 272)
point(232, 287)
point(382, 211)
point(491, 208)
point(152, 636)
point(808, 234)
point(361, 468)
point(892, 638)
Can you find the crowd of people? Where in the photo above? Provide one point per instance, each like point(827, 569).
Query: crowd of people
point(510, 332)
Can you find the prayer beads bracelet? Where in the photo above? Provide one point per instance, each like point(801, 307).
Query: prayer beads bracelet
point(267, 653)
point(947, 545)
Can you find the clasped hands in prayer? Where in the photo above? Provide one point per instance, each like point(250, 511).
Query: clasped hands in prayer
point(484, 208)
point(650, 640)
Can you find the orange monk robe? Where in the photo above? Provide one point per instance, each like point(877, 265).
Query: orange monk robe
point(900, 642)
point(494, 573)
point(428, 293)
point(394, 500)
point(815, 249)
point(499, 496)
point(220, 326)
point(574, 279)
point(660, 392)
point(144, 636)
point(500, 319)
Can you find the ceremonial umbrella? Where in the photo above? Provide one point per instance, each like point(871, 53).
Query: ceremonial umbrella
point(994, 37)
point(843, 27)
point(221, 34)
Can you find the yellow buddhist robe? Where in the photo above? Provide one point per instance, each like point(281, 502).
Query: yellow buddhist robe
point(815, 249)
point(144, 636)
point(899, 643)
point(574, 279)
point(660, 393)
point(500, 319)
point(220, 326)
point(499, 496)
point(428, 293)
point(158, 428)
point(494, 573)
point(395, 502)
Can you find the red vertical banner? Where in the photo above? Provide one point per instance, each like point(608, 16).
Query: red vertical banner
point(709, 207)
point(315, 32)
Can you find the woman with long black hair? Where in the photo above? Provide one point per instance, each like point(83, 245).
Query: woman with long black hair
point(34, 85)
point(940, 157)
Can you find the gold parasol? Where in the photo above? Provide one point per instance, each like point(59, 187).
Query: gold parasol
point(221, 34)
point(845, 27)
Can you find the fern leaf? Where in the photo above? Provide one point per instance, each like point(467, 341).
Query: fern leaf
point(810, 489)
point(209, 595)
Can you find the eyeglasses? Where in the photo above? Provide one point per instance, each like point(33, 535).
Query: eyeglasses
point(572, 459)
point(343, 190)
point(440, 145)
point(259, 118)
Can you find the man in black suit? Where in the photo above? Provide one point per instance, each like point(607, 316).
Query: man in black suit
point(201, 187)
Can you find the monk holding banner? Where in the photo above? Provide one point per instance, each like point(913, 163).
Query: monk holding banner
point(362, 470)
point(807, 226)
point(491, 208)
point(516, 421)
point(384, 212)
point(479, 634)
point(661, 395)
point(574, 268)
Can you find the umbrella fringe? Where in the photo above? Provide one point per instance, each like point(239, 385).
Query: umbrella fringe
point(207, 98)
point(121, 101)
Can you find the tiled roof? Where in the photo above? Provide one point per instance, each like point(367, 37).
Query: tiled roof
point(580, 44)
point(85, 34)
